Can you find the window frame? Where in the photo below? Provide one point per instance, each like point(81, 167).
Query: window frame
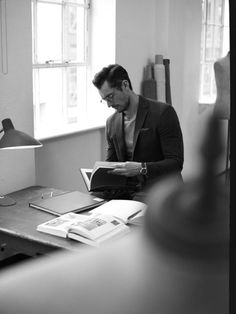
point(205, 25)
point(48, 64)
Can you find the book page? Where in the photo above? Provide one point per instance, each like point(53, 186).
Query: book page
point(101, 179)
point(91, 226)
point(111, 236)
point(104, 164)
point(138, 219)
point(86, 175)
point(121, 209)
point(95, 226)
point(59, 226)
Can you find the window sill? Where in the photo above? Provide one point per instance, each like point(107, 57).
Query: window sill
point(82, 129)
point(203, 106)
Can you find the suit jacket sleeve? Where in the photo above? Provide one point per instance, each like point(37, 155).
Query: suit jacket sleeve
point(171, 140)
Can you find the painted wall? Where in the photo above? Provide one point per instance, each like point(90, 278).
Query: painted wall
point(135, 33)
point(59, 160)
point(180, 21)
point(17, 167)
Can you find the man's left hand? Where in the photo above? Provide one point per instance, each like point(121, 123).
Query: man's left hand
point(128, 168)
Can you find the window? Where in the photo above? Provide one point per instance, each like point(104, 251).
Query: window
point(59, 65)
point(214, 44)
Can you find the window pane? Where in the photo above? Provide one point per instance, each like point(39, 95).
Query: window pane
point(217, 42)
point(209, 8)
point(203, 11)
point(77, 1)
point(49, 89)
point(54, 1)
point(226, 14)
point(81, 2)
point(209, 53)
point(74, 34)
point(49, 32)
point(218, 12)
point(207, 70)
point(226, 41)
point(60, 99)
point(75, 93)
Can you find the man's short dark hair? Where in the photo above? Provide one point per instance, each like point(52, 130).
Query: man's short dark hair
point(114, 74)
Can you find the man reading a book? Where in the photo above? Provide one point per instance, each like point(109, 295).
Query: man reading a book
point(144, 136)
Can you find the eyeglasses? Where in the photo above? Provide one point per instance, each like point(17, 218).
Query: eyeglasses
point(108, 98)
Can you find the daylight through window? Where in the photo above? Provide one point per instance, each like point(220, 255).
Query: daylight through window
point(59, 64)
point(214, 44)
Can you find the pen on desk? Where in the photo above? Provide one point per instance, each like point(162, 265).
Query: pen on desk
point(46, 195)
point(133, 215)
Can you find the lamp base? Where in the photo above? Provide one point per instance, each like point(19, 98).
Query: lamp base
point(6, 201)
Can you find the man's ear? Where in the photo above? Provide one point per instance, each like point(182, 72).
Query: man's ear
point(125, 84)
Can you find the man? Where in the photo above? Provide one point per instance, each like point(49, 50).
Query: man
point(143, 136)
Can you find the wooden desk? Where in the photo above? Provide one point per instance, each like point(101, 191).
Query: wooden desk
point(18, 224)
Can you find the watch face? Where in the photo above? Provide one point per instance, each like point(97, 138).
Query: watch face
point(143, 171)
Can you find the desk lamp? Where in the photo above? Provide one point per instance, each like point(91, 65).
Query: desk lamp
point(14, 139)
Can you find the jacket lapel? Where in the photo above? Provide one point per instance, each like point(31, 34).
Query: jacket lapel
point(140, 118)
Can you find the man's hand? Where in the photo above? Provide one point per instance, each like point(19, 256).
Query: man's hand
point(128, 168)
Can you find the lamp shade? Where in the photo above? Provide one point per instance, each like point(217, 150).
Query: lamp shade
point(13, 139)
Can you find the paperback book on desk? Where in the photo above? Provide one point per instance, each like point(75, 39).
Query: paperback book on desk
point(95, 227)
point(99, 178)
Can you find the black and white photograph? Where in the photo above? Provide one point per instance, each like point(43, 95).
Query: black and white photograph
point(115, 156)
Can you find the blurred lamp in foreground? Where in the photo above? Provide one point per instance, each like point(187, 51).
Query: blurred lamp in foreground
point(14, 139)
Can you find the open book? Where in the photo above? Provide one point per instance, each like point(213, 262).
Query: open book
point(92, 229)
point(107, 222)
point(99, 178)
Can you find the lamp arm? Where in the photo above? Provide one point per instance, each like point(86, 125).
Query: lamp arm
point(1, 130)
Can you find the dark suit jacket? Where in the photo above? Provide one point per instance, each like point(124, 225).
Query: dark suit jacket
point(158, 138)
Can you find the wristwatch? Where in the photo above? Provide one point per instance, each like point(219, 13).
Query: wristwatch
point(143, 169)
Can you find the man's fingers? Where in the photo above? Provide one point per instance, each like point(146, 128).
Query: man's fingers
point(119, 165)
point(118, 171)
